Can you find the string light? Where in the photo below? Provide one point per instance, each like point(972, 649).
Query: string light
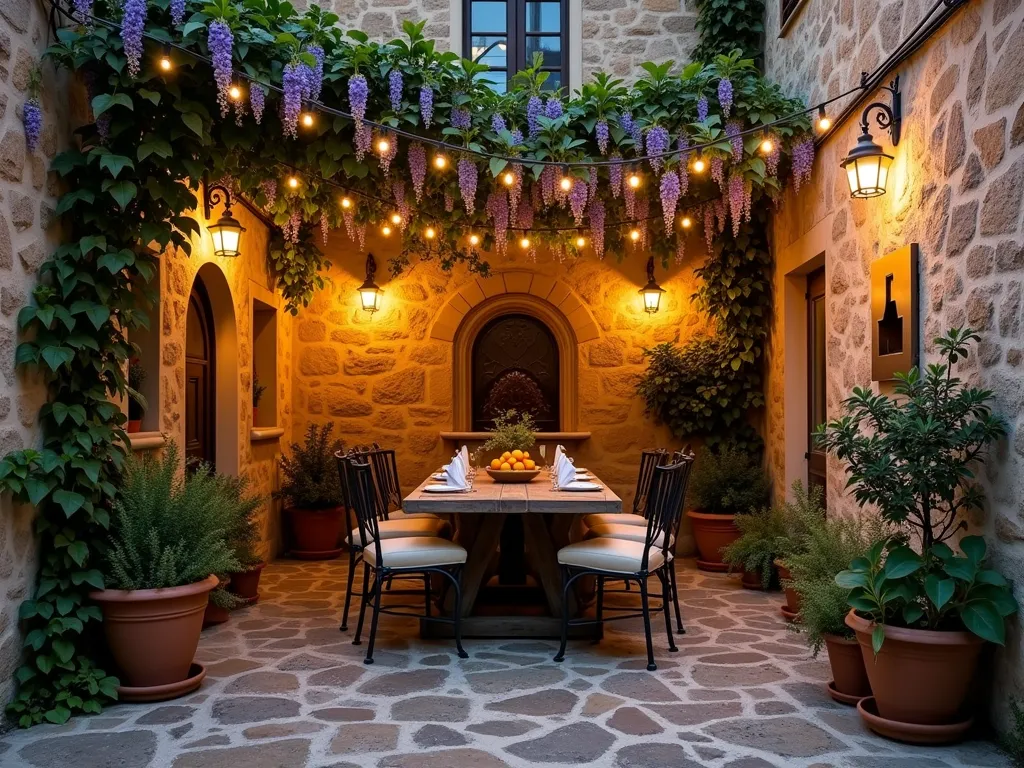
point(524, 243)
point(699, 165)
point(508, 178)
point(383, 146)
point(687, 222)
point(166, 65)
point(581, 241)
point(385, 230)
point(346, 202)
point(634, 235)
point(633, 180)
point(474, 239)
point(823, 122)
point(430, 233)
point(307, 119)
point(235, 92)
point(396, 218)
point(293, 182)
point(767, 146)
point(440, 162)
point(565, 183)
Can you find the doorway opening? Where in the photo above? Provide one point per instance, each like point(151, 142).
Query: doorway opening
point(816, 396)
point(200, 379)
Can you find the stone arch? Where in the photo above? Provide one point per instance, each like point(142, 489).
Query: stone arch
point(226, 450)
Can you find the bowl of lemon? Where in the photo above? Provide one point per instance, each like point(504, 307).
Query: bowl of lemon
point(513, 467)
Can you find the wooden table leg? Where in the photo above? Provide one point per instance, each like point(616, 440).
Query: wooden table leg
point(540, 544)
point(479, 550)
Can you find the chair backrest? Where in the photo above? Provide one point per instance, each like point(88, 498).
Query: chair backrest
point(686, 457)
point(385, 473)
point(664, 507)
point(362, 493)
point(649, 459)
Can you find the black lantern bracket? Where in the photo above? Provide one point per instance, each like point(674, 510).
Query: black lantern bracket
point(215, 194)
point(890, 116)
point(371, 271)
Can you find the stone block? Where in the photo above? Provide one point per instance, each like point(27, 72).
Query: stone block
point(368, 365)
point(1000, 211)
point(1006, 84)
point(320, 360)
point(991, 143)
point(400, 388)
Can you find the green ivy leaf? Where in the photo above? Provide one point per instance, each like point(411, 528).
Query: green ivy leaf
point(123, 192)
point(105, 101)
point(115, 164)
point(69, 501)
point(55, 357)
point(194, 122)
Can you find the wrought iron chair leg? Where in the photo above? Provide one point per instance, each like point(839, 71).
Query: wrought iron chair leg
point(645, 603)
point(377, 588)
point(599, 611)
point(357, 640)
point(565, 614)
point(666, 592)
point(426, 592)
point(348, 589)
point(675, 597)
point(457, 614)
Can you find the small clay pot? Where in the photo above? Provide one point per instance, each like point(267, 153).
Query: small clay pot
point(214, 615)
point(849, 677)
point(153, 633)
point(246, 584)
point(792, 606)
point(712, 533)
point(134, 426)
point(751, 580)
point(315, 532)
point(920, 676)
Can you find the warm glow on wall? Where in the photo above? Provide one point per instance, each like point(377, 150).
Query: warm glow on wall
point(369, 292)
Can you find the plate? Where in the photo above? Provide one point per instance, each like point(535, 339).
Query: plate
point(582, 469)
point(443, 489)
point(583, 475)
point(580, 485)
point(439, 476)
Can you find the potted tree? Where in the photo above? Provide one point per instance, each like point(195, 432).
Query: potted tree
point(921, 614)
point(312, 489)
point(258, 391)
point(168, 539)
point(725, 483)
point(137, 404)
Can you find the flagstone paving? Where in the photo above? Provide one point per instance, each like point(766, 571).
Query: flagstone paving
point(285, 688)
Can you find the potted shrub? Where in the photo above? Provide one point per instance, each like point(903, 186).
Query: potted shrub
point(725, 483)
point(921, 616)
point(257, 394)
point(244, 539)
point(312, 489)
point(168, 539)
point(137, 404)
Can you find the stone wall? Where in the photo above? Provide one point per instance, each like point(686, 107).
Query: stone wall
point(956, 188)
point(27, 235)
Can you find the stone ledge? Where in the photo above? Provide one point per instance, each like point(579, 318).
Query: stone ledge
point(146, 441)
point(257, 434)
point(542, 437)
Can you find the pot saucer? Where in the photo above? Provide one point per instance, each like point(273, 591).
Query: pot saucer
point(703, 565)
point(842, 698)
point(911, 733)
point(327, 554)
point(787, 614)
point(196, 673)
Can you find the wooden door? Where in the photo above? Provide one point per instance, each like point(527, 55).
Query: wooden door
point(200, 373)
point(816, 393)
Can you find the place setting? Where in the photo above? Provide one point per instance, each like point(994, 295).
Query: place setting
point(566, 476)
point(454, 477)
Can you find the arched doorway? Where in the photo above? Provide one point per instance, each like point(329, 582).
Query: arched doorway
point(200, 378)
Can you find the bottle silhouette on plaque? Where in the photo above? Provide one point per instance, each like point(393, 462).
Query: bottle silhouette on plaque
point(890, 327)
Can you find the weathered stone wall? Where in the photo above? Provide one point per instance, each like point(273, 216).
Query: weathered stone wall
point(27, 234)
point(383, 378)
point(956, 188)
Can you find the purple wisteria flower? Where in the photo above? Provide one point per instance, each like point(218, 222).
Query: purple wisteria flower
point(632, 127)
point(358, 93)
point(702, 109)
point(718, 171)
point(669, 192)
point(269, 188)
point(615, 177)
point(733, 130)
point(32, 119)
point(771, 160)
point(461, 118)
point(498, 123)
point(497, 210)
point(534, 108)
point(467, 183)
point(516, 190)
point(398, 190)
point(629, 198)
point(395, 84)
point(316, 73)
point(295, 83)
point(449, 202)
point(736, 202)
point(601, 131)
point(709, 225)
point(257, 101)
point(325, 226)
point(578, 201)
point(547, 184)
point(177, 12)
point(725, 95)
point(220, 41)
point(684, 165)
point(133, 23)
point(517, 136)
point(387, 157)
point(803, 161)
point(657, 142)
point(417, 157)
point(426, 104)
point(596, 216)
point(553, 108)
point(364, 138)
point(83, 10)
point(349, 217)
point(680, 247)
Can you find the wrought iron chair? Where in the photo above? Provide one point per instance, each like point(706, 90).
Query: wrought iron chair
point(384, 471)
point(389, 490)
point(607, 557)
point(383, 558)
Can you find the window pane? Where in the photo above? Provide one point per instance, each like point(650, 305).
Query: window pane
point(551, 47)
point(496, 57)
point(554, 81)
point(498, 81)
point(543, 17)
point(489, 17)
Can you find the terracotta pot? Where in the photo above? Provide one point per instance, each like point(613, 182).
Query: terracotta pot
point(792, 596)
point(848, 673)
point(712, 533)
point(134, 425)
point(247, 583)
point(315, 531)
point(153, 633)
point(751, 580)
point(255, 416)
point(214, 615)
point(919, 676)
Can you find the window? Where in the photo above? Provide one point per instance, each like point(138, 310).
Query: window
point(507, 35)
point(816, 411)
point(787, 9)
point(264, 363)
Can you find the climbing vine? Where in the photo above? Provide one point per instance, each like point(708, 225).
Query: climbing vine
point(229, 104)
point(727, 25)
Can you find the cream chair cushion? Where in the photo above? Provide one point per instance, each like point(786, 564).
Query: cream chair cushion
point(608, 554)
point(410, 526)
point(607, 518)
point(399, 514)
point(415, 552)
point(628, 532)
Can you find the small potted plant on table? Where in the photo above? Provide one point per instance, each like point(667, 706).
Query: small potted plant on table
point(725, 483)
point(137, 404)
point(168, 538)
point(921, 615)
point(511, 438)
point(313, 490)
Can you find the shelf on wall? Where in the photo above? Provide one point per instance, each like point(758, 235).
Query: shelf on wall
point(542, 437)
point(146, 441)
point(258, 434)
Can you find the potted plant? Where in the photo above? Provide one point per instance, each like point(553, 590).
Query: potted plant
point(921, 616)
point(168, 539)
point(244, 538)
point(725, 483)
point(512, 435)
point(805, 512)
point(312, 489)
point(257, 395)
point(137, 404)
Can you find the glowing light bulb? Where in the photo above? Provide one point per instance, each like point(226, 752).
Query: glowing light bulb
point(565, 183)
point(823, 121)
point(383, 146)
point(307, 119)
point(581, 241)
point(508, 178)
point(440, 162)
point(687, 222)
point(166, 64)
point(293, 182)
point(235, 93)
point(633, 180)
point(524, 243)
point(699, 165)
point(430, 233)
point(346, 203)
point(767, 146)
point(396, 218)
point(634, 235)
point(474, 239)
point(385, 230)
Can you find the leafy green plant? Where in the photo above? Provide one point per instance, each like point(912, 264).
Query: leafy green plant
point(725, 25)
point(170, 528)
point(137, 405)
point(764, 535)
point(311, 473)
point(511, 430)
point(938, 590)
point(243, 532)
point(728, 480)
point(257, 391)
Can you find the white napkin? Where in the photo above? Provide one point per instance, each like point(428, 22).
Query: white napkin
point(559, 457)
point(565, 474)
point(464, 454)
point(455, 474)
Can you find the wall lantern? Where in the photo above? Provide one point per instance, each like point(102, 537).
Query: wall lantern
point(867, 166)
point(652, 291)
point(369, 291)
point(227, 232)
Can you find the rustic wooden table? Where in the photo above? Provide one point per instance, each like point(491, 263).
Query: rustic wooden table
point(531, 522)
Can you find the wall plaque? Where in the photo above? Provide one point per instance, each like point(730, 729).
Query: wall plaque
point(894, 333)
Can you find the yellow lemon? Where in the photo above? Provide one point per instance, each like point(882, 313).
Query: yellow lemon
point(517, 454)
point(519, 466)
point(496, 464)
point(506, 466)
point(529, 463)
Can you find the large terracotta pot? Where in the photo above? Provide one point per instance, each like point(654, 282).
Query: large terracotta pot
point(792, 596)
point(246, 584)
point(315, 532)
point(849, 675)
point(153, 633)
point(712, 533)
point(919, 676)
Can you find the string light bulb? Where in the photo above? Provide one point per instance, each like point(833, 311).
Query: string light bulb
point(581, 241)
point(235, 92)
point(430, 233)
point(307, 119)
point(440, 162)
point(293, 182)
point(634, 235)
point(508, 178)
point(823, 120)
point(166, 65)
point(383, 146)
point(686, 222)
point(346, 203)
point(385, 230)
point(699, 165)
point(633, 180)
point(474, 239)
point(565, 183)
point(524, 243)
point(767, 146)
point(396, 218)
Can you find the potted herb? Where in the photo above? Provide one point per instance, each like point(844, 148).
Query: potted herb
point(257, 395)
point(805, 512)
point(512, 436)
point(168, 538)
point(921, 616)
point(725, 483)
point(137, 404)
point(244, 539)
point(763, 535)
point(312, 489)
